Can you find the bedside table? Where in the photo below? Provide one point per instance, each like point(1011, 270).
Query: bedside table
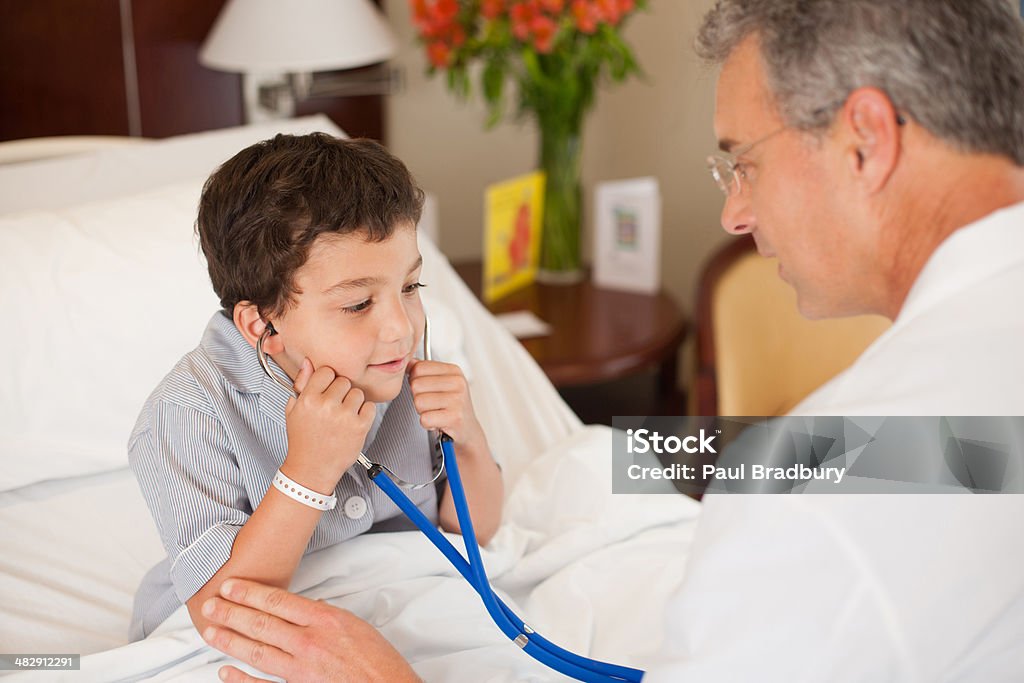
point(598, 336)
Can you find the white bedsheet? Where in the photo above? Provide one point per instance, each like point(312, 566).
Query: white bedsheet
point(73, 553)
point(588, 569)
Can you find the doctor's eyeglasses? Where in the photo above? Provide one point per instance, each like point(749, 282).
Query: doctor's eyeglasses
point(727, 172)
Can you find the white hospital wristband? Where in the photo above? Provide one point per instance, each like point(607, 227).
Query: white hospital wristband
point(300, 493)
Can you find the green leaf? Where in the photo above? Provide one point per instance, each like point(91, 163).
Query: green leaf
point(493, 81)
point(494, 117)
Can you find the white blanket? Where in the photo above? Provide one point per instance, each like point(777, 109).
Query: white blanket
point(587, 569)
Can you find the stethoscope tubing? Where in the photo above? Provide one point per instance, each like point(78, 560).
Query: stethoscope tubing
point(549, 649)
point(472, 569)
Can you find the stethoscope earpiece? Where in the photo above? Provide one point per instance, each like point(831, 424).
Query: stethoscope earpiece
point(261, 356)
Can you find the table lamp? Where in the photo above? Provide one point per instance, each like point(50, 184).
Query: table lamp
point(280, 47)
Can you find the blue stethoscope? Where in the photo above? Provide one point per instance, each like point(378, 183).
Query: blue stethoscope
point(472, 569)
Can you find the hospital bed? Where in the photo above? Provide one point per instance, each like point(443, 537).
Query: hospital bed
point(104, 289)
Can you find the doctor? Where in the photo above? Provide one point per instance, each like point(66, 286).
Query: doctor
point(875, 148)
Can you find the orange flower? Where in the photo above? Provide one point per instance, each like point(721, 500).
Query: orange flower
point(544, 29)
point(492, 9)
point(522, 13)
point(446, 9)
point(609, 11)
point(434, 19)
point(439, 53)
point(420, 14)
point(457, 35)
point(508, 34)
point(586, 16)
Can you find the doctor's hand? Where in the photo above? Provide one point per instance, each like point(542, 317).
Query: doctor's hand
point(327, 426)
point(298, 639)
point(440, 393)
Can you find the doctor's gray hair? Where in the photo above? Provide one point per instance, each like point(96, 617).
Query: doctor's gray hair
point(954, 66)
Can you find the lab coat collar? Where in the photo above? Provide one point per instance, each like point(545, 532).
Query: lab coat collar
point(968, 256)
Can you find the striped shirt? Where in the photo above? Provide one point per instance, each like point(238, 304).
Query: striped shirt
point(206, 446)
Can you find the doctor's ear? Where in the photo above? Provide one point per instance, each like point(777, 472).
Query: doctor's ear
point(252, 325)
point(874, 136)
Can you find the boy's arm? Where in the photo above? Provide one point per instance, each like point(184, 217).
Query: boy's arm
point(327, 425)
point(485, 492)
point(441, 395)
point(267, 549)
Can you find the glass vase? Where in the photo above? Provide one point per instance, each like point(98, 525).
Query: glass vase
point(560, 151)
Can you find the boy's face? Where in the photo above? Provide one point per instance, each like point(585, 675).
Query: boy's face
point(357, 310)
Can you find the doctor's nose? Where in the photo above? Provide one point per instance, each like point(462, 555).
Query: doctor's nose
point(738, 214)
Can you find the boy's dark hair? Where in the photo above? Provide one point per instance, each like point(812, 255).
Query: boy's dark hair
point(260, 212)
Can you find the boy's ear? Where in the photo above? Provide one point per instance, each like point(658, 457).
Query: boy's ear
point(249, 322)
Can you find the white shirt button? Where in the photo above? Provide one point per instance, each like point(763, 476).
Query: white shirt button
point(355, 507)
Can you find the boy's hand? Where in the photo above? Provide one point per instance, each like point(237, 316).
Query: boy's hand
point(440, 393)
point(327, 425)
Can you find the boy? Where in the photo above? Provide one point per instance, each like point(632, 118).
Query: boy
point(311, 244)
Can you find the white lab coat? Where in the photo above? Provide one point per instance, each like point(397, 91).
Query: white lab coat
point(884, 587)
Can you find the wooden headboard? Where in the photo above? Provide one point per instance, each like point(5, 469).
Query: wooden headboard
point(129, 67)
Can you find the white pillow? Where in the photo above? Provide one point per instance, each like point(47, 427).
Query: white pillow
point(122, 171)
point(104, 297)
point(99, 302)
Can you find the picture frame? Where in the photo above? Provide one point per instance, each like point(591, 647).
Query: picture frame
point(627, 244)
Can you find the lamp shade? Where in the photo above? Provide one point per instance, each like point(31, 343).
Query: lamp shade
point(297, 36)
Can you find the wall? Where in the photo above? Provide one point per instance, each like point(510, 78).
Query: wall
point(661, 126)
point(110, 67)
point(128, 67)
